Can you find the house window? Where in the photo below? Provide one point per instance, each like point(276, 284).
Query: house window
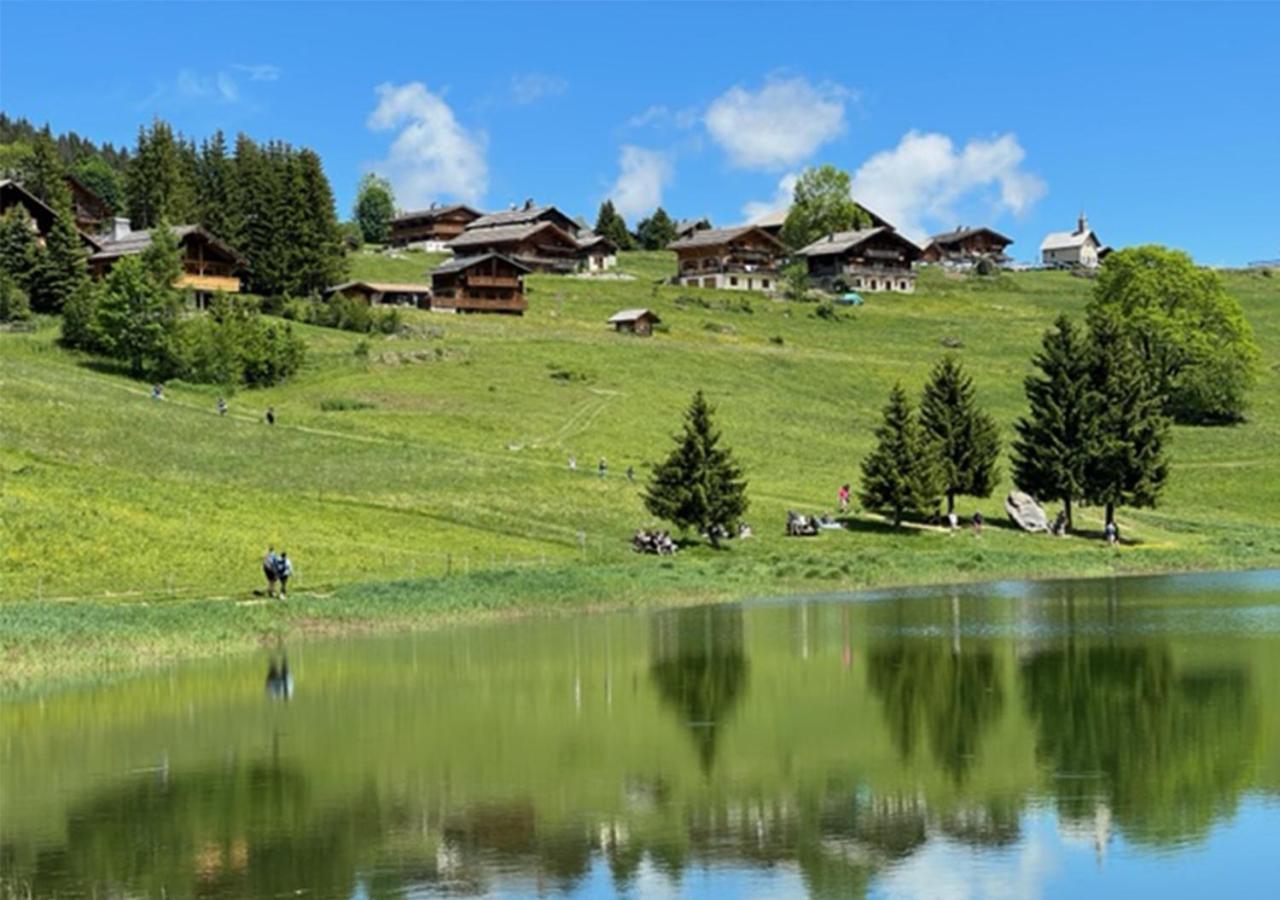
point(764, 283)
point(902, 285)
point(733, 280)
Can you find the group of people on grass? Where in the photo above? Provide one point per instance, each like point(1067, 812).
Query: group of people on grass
point(602, 468)
point(278, 570)
point(157, 393)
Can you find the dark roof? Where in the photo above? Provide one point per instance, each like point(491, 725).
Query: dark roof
point(434, 212)
point(522, 216)
point(964, 231)
point(37, 208)
point(710, 237)
point(693, 225)
point(137, 241)
point(841, 241)
point(590, 239)
point(502, 234)
point(459, 263)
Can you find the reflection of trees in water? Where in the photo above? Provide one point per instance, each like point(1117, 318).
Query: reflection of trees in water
point(926, 686)
point(1168, 752)
point(700, 669)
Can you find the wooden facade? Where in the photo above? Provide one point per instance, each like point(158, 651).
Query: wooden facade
point(91, 211)
point(870, 259)
point(383, 293)
point(966, 245)
point(42, 215)
point(596, 253)
point(208, 265)
point(744, 258)
point(634, 321)
point(431, 228)
point(488, 283)
point(528, 214)
point(542, 246)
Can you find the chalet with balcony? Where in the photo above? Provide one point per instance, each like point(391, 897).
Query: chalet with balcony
point(42, 215)
point(745, 258)
point(869, 259)
point(774, 221)
point(208, 264)
point(596, 253)
point(486, 283)
point(541, 246)
point(1073, 249)
point(383, 293)
point(431, 228)
point(528, 214)
point(966, 245)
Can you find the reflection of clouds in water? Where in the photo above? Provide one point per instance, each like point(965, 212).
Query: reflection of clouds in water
point(942, 870)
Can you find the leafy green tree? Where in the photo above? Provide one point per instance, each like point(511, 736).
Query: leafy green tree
point(822, 204)
point(63, 265)
point(657, 231)
point(14, 305)
point(136, 319)
point(967, 438)
point(1126, 463)
point(699, 485)
point(1191, 335)
point(375, 208)
point(1050, 452)
point(15, 160)
point(795, 280)
point(79, 318)
point(610, 223)
point(97, 175)
point(901, 474)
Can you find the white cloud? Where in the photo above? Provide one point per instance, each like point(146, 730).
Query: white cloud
point(221, 86)
point(925, 179)
point(644, 175)
point(259, 71)
point(660, 115)
point(782, 124)
point(534, 86)
point(755, 210)
point(433, 154)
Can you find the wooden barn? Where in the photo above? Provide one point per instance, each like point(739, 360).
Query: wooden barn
point(634, 321)
point(541, 246)
point(745, 258)
point(208, 264)
point(431, 228)
point(489, 282)
point(384, 293)
point(967, 244)
point(869, 259)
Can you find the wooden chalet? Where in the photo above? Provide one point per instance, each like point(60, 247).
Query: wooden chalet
point(869, 259)
point(528, 214)
point(91, 211)
point(383, 293)
point(967, 245)
point(489, 282)
point(208, 264)
point(596, 253)
point(12, 194)
point(686, 227)
point(745, 258)
point(541, 246)
point(634, 321)
point(431, 228)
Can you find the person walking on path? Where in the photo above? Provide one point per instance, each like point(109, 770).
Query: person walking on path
point(977, 524)
point(157, 391)
point(1112, 533)
point(631, 473)
point(271, 415)
point(284, 569)
point(602, 468)
point(573, 463)
point(270, 568)
point(843, 495)
point(222, 406)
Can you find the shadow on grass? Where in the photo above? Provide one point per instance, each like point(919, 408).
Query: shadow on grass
point(880, 526)
point(108, 367)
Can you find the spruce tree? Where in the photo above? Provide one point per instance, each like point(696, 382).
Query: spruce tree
point(161, 179)
point(136, 319)
point(79, 315)
point(18, 248)
point(326, 260)
point(966, 437)
point(217, 201)
point(62, 265)
point(45, 175)
point(699, 485)
point(901, 474)
point(1051, 450)
point(656, 231)
point(1126, 463)
point(14, 305)
point(610, 223)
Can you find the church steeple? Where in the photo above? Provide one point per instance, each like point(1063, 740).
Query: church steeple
point(1082, 223)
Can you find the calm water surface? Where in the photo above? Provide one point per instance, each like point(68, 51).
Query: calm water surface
point(1110, 738)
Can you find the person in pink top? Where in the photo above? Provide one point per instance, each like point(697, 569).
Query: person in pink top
point(843, 494)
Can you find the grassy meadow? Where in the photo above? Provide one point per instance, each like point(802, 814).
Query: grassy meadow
point(426, 472)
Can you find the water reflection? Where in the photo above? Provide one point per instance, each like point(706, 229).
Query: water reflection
point(821, 750)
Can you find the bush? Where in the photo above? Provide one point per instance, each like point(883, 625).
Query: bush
point(233, 344)
point(346, 314)
point(344, 404)
point(14, 305)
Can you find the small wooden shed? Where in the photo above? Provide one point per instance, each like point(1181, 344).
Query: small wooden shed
point(634, 321)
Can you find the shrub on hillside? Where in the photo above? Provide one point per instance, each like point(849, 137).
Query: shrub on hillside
point(346, 314)
point(14, 305)
point(234, 344)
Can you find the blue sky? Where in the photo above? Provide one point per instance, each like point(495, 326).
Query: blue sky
point(1161, 121)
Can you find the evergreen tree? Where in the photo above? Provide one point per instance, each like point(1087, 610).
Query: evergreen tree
point(326, 262)
point(375, 208)
point(63, 265)
point(1051, 450)
point(45, 175)
point(79, 315)
point(901, 474)
point(162, 259)
point(1125, 460)
point(610, 223)
point(161, 179)
point(966, 437)
point(97, 175)
point(216, 189)
point(699, 485)
point(14, 306)
point(656, 231)
point(136, 319)
point(19, 251)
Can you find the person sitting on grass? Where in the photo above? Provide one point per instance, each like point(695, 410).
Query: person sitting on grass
point(222, 406)
point(270, 568)
point(977, 524)
point(284, 569)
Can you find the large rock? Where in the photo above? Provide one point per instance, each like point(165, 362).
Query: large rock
point(1025, 512)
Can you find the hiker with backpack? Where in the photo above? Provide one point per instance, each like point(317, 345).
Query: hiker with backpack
point(284, 569)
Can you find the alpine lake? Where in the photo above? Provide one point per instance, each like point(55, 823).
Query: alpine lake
point(1110, 738)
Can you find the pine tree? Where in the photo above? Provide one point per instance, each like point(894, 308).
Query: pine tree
point(901, 474)
point(45, 175)
point(62, 265)
point(136, 319)
point(14, 305)
point(326, 260)
point(79, 315)
point(699, 485)
point(1125, 461)
point(161, 179)
point(656, 231)
point(610, 224)
point(18, 248)
point(375, 208)
point(217, 201)
point(967, 438)
point(1051, 450)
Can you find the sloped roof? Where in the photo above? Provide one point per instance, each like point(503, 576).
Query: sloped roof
point(459, 263)
point(434, 212)
point(590, 239)
point(37, 207)
point(1066, 240)
point(382, 287)
point(778, 218)
point(138, 241)
point(710, 237)
point(701, 224)
point(633, 315)
point(521, 216)
point(502, 234)
point(841, 241)
point(964, 231)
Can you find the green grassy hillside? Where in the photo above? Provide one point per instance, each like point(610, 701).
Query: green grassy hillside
point(444, 451)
